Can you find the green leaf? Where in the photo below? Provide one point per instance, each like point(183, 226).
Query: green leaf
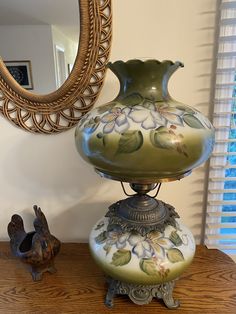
point(91, 125)
point(121, 257)
point(161, 129)
point(106, 107)
point(175, 255)
point(130, 142)
point(104, 139)
point(107, 248)
point(101, 238)
point(193, 122)
point(153, 235)
point(132, 100)
point(175, 238)
point(161, 138)
point(148, 266)
point(186, 109)
point(100, 225)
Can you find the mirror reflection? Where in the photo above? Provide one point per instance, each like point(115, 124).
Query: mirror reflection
point(39, 41)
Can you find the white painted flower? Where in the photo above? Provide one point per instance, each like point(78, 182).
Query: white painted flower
point(159, 244)
point(116, 237)
point(116, 119)
point(146, 116)
point(172, 115)
point(141, 246)
point(152, 115)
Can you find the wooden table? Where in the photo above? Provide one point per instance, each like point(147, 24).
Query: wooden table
point(208, 286)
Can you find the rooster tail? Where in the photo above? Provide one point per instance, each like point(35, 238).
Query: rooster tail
point(40, 222)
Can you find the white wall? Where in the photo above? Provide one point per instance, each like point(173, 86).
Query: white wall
point(34, 43)
point(46, 170)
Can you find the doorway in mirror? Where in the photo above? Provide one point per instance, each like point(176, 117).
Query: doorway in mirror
point(60, 64)
point(30, 30)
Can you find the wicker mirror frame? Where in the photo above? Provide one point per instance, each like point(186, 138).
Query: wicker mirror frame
point(61, 110)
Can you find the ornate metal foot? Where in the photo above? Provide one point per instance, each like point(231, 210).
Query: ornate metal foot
point(142, 294)
point(164, 292)
point(112, 290)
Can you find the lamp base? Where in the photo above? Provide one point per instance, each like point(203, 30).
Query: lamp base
point(143, 247)
point(142, 294)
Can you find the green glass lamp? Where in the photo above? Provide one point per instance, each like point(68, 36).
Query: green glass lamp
point(143, 137)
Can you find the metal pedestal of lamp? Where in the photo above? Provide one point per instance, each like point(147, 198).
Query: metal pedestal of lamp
point(142, 213)
point(142, 294)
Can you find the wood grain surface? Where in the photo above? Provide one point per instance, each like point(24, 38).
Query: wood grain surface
point(208, 286)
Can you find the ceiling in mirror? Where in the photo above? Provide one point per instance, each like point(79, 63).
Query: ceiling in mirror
point(44, 33)
point(61, 109)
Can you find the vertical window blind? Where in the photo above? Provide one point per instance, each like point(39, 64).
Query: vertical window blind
point(220, 229)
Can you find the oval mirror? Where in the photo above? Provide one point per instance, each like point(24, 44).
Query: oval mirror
point(48, 78)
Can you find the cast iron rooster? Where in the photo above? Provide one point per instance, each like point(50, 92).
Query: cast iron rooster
point(37, 248)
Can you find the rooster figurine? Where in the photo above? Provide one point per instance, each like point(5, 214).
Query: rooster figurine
point(37, 248)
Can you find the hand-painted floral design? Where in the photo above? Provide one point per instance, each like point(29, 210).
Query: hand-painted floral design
point(152, 115)
point(149, 114)
point(141, 245)
point(154, 244)
point(83, 119)
point(100, 225)
point(160, 243)
point(91, 125)
point(151, 250)
point(204, 120)
point(166, 138)
point(107, 107)
point(146, 116)
point(162, 119)
point(115, 237)
point(169, 114)
point(116, 119)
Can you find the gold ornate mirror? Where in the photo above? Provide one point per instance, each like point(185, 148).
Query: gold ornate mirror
point(60, 110)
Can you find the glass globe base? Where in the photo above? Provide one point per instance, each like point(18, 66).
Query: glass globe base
point(142, 247)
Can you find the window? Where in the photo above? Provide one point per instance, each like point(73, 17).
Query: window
point(221, 205)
